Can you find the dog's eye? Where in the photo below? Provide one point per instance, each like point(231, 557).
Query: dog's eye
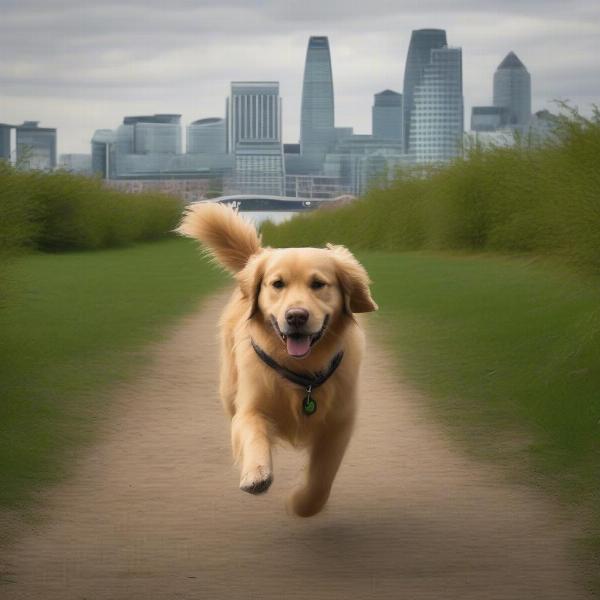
point(278, 283)
point(316, 284)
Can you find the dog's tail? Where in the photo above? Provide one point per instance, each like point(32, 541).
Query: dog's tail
point(230, 239)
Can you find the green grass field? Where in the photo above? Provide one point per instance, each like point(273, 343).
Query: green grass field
point(72, 326)
point(508, 353)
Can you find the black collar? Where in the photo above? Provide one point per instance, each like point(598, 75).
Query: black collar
point(306, 380)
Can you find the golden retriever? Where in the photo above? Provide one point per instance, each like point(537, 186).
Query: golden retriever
point(290, 350)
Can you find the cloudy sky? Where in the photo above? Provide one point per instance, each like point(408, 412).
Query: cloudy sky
point(81, 65)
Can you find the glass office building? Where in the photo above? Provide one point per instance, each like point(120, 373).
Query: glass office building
point(103, 153)
point(488, 118)
point(360, 159)
point(36, 146)
point(512, 90)
point(206, 136)
point(387, 116)
point(5, 142)
point(153, 139)
point(259, 168)
point(155, 134)
point(114, 156)
point(422, 42)
point(253, 112)
point(317, 132)
point(254, 137)
point(437, 117)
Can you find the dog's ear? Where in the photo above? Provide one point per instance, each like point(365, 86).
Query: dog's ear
point(250, 279)
point(354, 281)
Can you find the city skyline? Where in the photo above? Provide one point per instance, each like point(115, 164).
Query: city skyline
point(368, 56)
point(253, 159)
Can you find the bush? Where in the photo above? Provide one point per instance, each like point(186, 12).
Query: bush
point(533, 197)
point(18, 214)
point(60, 211)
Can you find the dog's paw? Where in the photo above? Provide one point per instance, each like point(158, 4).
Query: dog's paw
point(257, 481)
point(305, 503)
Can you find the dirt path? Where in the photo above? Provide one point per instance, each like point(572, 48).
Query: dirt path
point(154, 511)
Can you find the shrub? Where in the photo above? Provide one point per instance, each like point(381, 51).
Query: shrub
point(533, 197)
point(60, 211)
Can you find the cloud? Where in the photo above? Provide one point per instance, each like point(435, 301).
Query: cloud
point(80, 65)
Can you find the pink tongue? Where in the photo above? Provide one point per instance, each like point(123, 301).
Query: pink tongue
point(298, 346)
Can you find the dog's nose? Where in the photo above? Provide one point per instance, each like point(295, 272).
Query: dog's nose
point(296, 317)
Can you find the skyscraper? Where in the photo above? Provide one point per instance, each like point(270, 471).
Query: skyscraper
point(387, 116)
point(259, 168)
point(253, 112)
point(437, 117)
point(254, 137)
point(317, 131)
point(422, 42)
point(512, 90)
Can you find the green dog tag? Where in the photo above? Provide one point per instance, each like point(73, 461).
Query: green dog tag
point(309, 406)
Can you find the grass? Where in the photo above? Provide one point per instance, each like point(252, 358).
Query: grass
point(508, 351)
point(73, 326)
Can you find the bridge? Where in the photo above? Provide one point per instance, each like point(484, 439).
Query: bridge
point(266, 203)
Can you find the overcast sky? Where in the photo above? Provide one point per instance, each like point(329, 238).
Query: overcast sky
point(81, 65)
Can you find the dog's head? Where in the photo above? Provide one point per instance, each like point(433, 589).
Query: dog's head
point(298, 294)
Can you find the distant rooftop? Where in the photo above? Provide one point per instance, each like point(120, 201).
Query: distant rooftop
point(388, 98)
point(157, 118)
point(207, 121)
point(30, 125)
point(255, 83)
point(511, 61)
point(318, 42)
point(435, 31)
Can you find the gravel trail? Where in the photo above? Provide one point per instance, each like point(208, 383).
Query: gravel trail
point(153, 510)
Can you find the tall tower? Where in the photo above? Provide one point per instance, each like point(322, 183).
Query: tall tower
point(254, 137)
point(437, 118)
point(317, 115)
point(254, 112)
point(387, 116)
point(512, 90)
point(422, 42)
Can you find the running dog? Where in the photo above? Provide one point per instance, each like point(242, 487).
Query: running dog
point(290, 350)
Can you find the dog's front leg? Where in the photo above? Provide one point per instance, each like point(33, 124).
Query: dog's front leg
point(251, 443)
point(326, 456)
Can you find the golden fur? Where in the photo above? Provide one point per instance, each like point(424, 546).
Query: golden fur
point(262, 405)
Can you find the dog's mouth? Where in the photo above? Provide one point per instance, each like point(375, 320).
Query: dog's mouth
point(299, 344)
